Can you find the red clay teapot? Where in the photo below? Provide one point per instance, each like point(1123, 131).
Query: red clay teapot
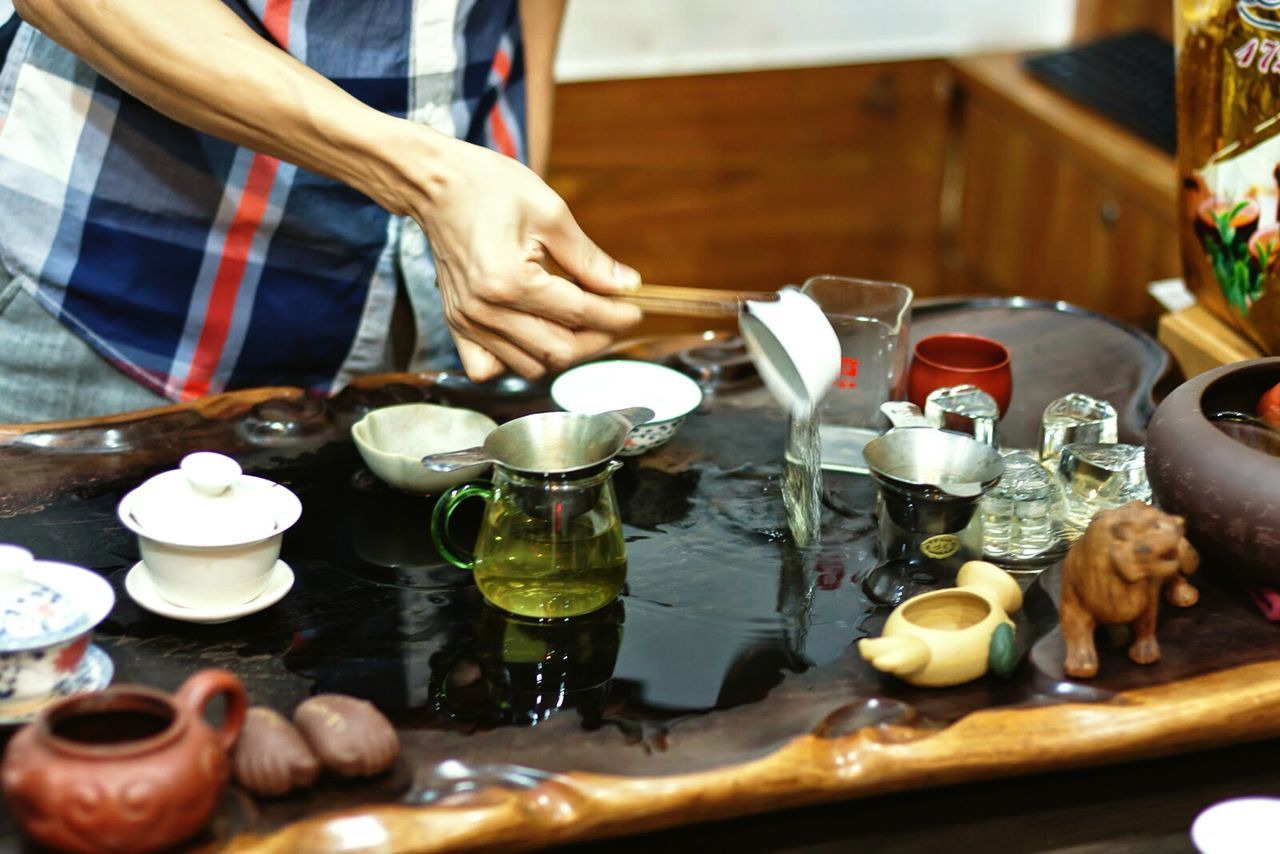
point(128, 768)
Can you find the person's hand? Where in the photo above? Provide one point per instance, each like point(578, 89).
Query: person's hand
point(498, 233)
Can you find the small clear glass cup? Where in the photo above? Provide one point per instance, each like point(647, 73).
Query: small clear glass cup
point(1098, 477)
point(1076, 418)
point(964, 409)
point(1022, 514)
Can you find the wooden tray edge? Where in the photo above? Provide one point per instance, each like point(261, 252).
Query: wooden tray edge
point(1227, 707)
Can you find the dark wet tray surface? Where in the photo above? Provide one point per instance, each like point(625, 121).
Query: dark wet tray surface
point(728, 642)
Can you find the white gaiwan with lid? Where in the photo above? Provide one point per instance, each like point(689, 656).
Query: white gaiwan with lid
point(209, 534)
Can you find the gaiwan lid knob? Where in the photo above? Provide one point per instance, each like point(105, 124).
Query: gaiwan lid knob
point(205, 499)
point(15, 563)
point(209, 473)
point(32, 611)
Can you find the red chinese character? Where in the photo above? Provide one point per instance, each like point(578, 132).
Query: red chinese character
point(848, 368)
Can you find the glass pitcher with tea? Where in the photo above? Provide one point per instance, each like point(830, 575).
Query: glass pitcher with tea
point(550, 542)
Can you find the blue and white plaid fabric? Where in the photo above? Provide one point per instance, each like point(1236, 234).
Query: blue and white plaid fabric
point(195, 265)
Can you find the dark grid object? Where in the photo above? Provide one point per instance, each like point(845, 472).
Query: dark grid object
point(1128, 78)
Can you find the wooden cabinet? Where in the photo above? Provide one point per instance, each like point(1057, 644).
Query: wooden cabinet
point(1045, 199)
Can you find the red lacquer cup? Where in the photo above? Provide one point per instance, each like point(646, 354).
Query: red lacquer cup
point(954, 358)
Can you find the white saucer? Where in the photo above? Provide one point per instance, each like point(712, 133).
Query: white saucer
point(1237, 826)
point(92, 674)
point(137, 583)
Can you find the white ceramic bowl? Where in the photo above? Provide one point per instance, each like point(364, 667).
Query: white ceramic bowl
point(616, 384)
point(393, 440)
point(219, 570)
point(49, 621)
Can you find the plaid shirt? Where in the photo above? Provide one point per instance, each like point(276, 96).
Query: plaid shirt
point(195, 265)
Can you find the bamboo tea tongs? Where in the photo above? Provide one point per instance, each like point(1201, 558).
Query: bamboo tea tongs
point(693, 302)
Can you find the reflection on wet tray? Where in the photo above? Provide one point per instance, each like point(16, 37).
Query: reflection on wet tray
point(719, 607)
point(722, 613)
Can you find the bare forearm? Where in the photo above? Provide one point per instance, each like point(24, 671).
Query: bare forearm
point(540, 22)
point(197, 62)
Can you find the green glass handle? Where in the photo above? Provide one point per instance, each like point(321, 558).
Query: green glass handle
point(449, 550)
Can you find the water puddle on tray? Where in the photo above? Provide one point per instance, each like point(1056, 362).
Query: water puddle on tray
point(721, 606)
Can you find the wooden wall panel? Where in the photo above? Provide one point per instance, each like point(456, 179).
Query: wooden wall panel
point(754, 180)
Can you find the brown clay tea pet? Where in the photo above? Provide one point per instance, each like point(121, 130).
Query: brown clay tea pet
point(271, 757)
point(349, 736)
point(1114, 574)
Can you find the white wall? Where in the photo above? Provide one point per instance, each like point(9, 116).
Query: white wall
point(640, 38)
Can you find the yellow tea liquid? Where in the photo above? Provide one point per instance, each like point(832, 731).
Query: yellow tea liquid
point(525, 566)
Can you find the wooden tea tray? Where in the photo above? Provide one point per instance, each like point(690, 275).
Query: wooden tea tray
point(722, 684)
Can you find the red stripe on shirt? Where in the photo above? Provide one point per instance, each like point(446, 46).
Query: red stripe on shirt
point(226, 283)
point(275, 17)
point(239, 241)
point(498, 130)
point(502, 65)
point(501, 135)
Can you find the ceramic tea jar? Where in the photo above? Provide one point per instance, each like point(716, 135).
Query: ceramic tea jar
point(126, 769)
point(1210, 472)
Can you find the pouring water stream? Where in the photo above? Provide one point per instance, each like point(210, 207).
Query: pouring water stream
point(797, 354)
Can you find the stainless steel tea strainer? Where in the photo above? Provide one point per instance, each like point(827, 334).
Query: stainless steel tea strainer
point(549, 443)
